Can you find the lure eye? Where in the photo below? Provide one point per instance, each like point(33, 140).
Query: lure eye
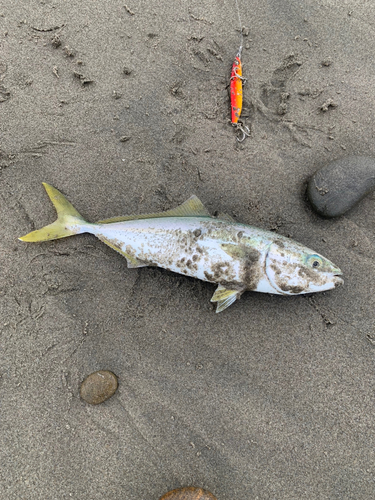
point(316, 263)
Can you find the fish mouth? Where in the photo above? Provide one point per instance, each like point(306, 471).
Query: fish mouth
point(337, 280)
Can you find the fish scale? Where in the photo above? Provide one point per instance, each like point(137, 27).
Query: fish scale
point(185, 245)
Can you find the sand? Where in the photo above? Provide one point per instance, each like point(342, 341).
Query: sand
point(271, 399)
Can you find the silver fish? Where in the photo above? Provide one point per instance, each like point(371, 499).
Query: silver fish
point(187, 240)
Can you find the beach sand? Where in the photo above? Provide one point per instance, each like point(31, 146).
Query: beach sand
point(125, 109)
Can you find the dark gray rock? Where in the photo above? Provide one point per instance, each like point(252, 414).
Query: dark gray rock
point(340, 185)
point(98, 387)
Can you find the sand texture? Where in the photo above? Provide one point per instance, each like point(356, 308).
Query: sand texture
point(124, 107)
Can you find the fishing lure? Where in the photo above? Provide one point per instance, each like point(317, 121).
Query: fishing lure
point(236, 94)
point(236, 88)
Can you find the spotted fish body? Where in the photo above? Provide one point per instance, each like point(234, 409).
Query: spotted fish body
point(187, 240)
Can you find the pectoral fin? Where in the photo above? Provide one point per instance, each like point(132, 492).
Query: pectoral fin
point(224, 297)
point(239, 251)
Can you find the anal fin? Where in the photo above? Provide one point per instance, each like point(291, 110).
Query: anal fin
point(132, 262)
point(224, 297)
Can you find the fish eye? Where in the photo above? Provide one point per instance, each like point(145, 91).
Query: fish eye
point(314, 261)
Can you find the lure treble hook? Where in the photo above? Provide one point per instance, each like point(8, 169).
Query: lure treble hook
point(244, 129)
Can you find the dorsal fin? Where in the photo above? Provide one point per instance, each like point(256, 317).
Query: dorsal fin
point(224, 216)
point(192, 207)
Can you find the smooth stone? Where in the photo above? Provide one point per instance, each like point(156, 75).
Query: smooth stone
point(340, 185)
point(98, 387)
point(189, 493)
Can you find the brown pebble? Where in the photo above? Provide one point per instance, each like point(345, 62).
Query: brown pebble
point(189, 493)
point(98, 387)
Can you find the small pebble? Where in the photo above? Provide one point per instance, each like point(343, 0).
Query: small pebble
point(189, 493)
point(329, 103)
point(116, 94)
point(69, 52)
point(56, 42)
point(340, 185)
point(98, 387)
point(327, 62)
point(125, 138)
point(82, 78)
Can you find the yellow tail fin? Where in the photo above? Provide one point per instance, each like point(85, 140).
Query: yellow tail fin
point(68, 219)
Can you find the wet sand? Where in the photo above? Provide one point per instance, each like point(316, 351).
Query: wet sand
point(125, 109)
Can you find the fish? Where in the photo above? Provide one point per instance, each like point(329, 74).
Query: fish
point(189, 241)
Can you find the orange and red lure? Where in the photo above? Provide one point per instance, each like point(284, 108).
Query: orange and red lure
point(236, 88)
point(236, 94)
